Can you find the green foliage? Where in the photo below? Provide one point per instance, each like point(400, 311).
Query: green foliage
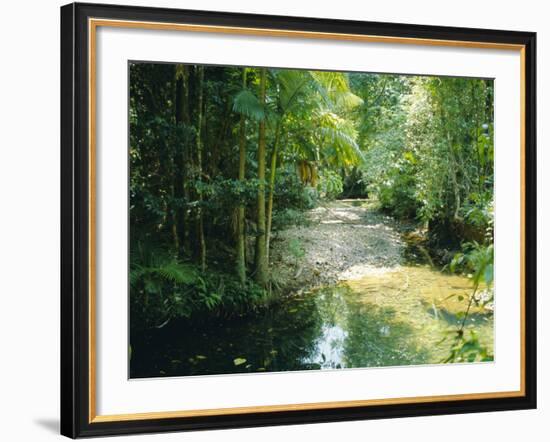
point(291, 193)
point(476, 260)
point(422, 146)
point(162, 288)
point(246, 103)
point(429, 149)
point(292, 198)
point(338, 135)
point(296, 249)
point(330, 184)
point(355, 184)
point(468, 349)
point(286, 218)
point(167, 274)
point(478, 212)
point(222, 193)
point(397, 193)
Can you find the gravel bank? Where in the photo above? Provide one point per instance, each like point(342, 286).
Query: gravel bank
point(345, 239)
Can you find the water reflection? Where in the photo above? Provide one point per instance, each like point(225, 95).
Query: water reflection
point(390, 318)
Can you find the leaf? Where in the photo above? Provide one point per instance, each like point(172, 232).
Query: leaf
point(246, 103)
point(239, 361)
point(175, 272)
point(292, 85)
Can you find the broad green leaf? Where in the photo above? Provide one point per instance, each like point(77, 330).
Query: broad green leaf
point(239, 361)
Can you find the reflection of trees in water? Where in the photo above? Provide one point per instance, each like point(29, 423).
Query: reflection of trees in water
point(281, 339)
point(376, 338)
point(291, 332)
point(369, 335)
point(332, 309)
point(330, 328)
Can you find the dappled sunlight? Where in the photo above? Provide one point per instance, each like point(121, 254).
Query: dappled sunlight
point(359, 271)
point(278, 219)
point(420, 282)
point(429, 301)
point(347, 215)
point(374, 227)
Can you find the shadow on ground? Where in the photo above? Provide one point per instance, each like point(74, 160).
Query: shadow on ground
point(51, 425)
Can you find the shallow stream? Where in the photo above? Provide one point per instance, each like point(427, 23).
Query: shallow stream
point(384, 317)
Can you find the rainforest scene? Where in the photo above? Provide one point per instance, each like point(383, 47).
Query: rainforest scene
point(293, 219)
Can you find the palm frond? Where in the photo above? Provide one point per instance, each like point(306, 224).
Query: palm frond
point(292, 84)
point(136, 273)
point(340, 135)
point(246, 103)
point(332, 81)
point(348, 100)
point(334, 89)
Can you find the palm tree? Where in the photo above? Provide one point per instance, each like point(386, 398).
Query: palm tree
point(291, 86)
point(314, 101)
point(241, 240)
point(322, 95)
point(261, 264)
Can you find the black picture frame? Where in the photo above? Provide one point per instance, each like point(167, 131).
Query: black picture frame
point(75, 220)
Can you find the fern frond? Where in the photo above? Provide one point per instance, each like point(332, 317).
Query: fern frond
point(177, 273)
point(136, 273)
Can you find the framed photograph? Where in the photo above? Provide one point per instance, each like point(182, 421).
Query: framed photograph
point(274, 220)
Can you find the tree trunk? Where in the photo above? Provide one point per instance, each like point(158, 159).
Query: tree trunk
point(454, 180)
point(453, 166)
point(182, 117)
point(273, 172)
point(241, 238)
point(200, 217)
point(261, 266)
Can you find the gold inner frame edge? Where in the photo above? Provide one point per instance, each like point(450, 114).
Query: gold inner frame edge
point(93, 23)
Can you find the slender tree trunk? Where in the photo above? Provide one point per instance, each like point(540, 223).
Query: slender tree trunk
point(479, 109)
point(200, 217)
point(453, 170)
point(182, 117)
point(273, 172)
point(453, 166)
point(241, 238)
point(261, 265)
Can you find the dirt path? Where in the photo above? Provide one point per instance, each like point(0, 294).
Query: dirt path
point(345, 240)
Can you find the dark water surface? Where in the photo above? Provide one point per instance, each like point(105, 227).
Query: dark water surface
point(393, 317)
